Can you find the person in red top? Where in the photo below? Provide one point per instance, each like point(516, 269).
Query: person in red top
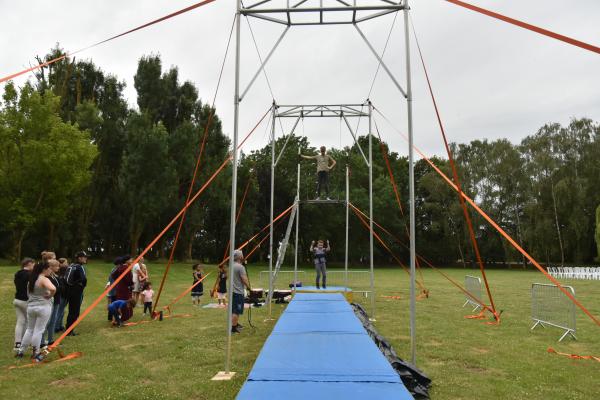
point(123, 289)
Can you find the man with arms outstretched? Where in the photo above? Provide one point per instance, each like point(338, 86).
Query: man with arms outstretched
point(325, 163)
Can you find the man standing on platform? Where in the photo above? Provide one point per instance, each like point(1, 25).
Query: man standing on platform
point(325, 163)
point(240, 280)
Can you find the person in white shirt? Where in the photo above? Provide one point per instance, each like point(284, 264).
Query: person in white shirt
point(135, 272)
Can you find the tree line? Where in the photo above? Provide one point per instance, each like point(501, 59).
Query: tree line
point(81, 169)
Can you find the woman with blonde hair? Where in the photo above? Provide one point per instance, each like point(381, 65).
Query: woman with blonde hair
point(39, 306)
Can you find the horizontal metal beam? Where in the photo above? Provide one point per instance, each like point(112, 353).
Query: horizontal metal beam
point(250, 11)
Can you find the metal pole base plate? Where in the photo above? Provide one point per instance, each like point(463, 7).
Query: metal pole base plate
point(223, 376)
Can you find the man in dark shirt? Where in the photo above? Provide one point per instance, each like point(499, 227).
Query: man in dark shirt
point(76, 281)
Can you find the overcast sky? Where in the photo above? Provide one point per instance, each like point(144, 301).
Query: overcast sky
point(492, 80)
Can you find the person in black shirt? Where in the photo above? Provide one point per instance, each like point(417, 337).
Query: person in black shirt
point(75, 283)
point(20, 301)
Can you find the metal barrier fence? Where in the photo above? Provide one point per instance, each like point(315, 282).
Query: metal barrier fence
point(550, 306)
point(473, 286)
point(584, 273)
point(359, 281)
point(283, 280)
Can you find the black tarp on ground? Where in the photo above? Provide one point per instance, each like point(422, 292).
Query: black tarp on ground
point(414, 379)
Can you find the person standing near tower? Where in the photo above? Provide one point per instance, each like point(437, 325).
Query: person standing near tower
point(325, 163)
point(320, 258)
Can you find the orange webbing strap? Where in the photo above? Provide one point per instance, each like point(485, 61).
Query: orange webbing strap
point(426, 261)
point(397, 194)
point(573, 356)
point(466, 213)
point(182, 220)
point(500, 230)
point(247, 242)
point(525, 25)
point(196, 168)
point(153, 242)
point(156, 21)
point(186, 291)
point(380, 240)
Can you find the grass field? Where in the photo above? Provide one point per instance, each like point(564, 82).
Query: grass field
point(175, 358)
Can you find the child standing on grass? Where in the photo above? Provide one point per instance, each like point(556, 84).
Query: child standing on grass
point(147, 295)
point(198, 290)
point(222, 286)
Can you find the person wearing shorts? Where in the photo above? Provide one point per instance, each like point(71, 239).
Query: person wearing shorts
point(240, 281)
point(198, 290)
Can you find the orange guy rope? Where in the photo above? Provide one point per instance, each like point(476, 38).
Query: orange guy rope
point(196, 168)
point(457, 181)
point(525, 25)
point(186, 291)
point(380, 240)
point(396, 192)
point(450, 279)
point(153, 242)
point(499, 229)
point(49, 62)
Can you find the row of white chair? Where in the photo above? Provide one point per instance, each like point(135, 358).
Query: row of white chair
point(586, 273)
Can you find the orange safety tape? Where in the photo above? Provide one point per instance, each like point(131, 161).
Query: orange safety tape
point(277, 220)
point(196, 168)
point(45, 64)
point(457, 181)
point(397, 193)
point(573, 356)
point(286, 211)
point(450, 279)
point(380, 240)
point(500, 230)
point(153, 242)
point(527, 26)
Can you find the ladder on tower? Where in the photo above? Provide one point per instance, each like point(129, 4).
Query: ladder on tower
point(282, 250)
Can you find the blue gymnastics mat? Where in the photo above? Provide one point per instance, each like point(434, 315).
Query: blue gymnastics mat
point(329, 289)
point(318, 306)
point(322, 358)
point(319, 297)
point(323, 390)
point(309, 322)
point(320, 350)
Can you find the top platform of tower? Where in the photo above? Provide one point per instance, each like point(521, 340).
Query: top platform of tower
point(320, 12)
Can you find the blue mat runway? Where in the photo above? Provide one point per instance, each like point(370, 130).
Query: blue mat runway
point(320, 350)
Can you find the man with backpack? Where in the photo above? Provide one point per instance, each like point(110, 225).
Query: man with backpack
point(75, 282)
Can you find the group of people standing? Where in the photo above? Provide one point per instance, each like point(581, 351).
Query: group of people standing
point(133, 288)
point(43, 290)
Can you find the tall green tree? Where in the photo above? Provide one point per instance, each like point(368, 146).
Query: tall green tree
point(45, 164)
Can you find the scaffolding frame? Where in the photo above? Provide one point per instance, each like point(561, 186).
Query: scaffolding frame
point(299, 13)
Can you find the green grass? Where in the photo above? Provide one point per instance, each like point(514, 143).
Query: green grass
point(176, 358)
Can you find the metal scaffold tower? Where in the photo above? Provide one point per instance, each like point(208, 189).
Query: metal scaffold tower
point(314, 13)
